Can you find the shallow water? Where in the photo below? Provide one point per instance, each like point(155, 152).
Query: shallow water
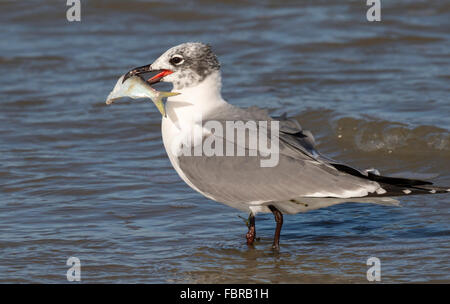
point(79, 178)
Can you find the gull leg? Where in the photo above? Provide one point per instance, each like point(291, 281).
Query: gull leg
point(279, 219)
point(251, 234)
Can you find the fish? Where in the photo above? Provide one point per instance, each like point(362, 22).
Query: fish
point(136, 87)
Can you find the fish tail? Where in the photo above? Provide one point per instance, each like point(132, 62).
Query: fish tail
point(160, 104)
point(168, 94)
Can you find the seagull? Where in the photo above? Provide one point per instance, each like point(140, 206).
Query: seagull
point(302, 178)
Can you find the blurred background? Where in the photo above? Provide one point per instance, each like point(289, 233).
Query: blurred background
point(79, 178)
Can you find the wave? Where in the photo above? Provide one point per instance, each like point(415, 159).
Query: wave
point(369, 134)
point(380, 135)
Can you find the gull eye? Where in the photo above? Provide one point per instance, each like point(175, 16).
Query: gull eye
point(176, 60)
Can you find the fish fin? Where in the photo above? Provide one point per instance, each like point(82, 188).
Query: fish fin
point(168, 94)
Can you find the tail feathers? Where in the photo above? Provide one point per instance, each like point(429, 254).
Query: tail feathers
point(434, 189)
point(403, 186)
point(395, 186)
point(396, 190)
point(397, 181)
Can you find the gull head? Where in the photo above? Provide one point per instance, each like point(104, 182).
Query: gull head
point(185, 65)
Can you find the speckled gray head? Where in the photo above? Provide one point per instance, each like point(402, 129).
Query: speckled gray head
point(190, 63)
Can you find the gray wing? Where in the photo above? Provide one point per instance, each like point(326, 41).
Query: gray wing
point(301, 171)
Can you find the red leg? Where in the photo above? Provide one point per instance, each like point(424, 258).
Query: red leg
point(251, 234)
point(279, 220)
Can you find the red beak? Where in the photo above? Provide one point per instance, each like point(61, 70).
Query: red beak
point(147, 69)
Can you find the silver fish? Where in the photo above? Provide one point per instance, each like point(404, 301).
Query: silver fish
point(136, 87)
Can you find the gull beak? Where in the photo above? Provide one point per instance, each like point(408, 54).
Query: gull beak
point(137, 71)
point(147, 69)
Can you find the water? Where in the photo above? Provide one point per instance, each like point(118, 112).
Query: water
point(79, 178)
